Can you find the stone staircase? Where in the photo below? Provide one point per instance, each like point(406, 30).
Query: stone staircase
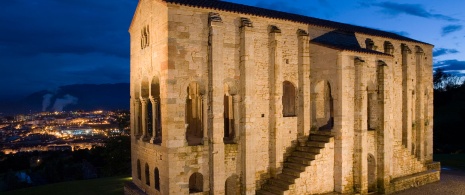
point(295, 164)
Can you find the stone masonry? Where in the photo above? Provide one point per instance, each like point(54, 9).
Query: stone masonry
point(232, 99)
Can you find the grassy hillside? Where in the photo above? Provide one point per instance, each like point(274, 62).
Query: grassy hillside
point(102, 186)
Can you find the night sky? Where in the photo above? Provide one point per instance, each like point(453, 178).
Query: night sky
point(45, 44)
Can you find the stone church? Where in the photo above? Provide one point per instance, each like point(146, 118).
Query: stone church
point(233, 99)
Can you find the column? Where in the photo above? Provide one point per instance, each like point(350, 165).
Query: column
point(144, 118)
point(154, 102)
point(136, 126)
point(216, 90)
point(236, 101)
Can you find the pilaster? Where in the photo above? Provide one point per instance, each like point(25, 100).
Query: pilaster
point(216, 90)
point(304, 116)
point(248, 141)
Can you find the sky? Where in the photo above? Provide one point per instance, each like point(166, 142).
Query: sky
point(45, 44)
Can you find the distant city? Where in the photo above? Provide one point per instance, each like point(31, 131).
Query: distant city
point(51, 131)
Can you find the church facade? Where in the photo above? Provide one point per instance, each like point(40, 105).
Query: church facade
point(233, 99)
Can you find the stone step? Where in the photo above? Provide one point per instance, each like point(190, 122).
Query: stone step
point(287, 178)
point(305, 161)
point(292, 172)
point(264, 192)
point(321, 138)
point(296, 166)
point(318, 144)
point(308, 155)
point(280, 183)
point(311, 149)
point(274, 189)
point(328, 133)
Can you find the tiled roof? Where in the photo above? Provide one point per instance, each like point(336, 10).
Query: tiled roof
point(342, 40)
point(244, 9)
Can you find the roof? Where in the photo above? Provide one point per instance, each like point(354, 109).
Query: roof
point(244, 9)
point(342, 40)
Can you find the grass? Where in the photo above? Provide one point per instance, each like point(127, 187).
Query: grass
point(456, 161)
point(101, 186)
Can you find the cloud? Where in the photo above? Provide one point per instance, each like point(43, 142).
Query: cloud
point(443, 51)
point(452, 66)
point(402, 33)
point(450, 29)
point(410, 9)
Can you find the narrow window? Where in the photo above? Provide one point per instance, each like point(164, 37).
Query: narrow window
point(288, 99)
point(139, 174)
point(147, 174)
point(157, 179)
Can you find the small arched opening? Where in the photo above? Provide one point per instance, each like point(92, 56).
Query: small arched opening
point(228, 115)
point(196, 183)
point(231, 185)
point(324, 106)
point(139, 172)
point(371, 173)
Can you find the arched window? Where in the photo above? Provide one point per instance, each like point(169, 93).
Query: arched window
point(156, 176)
point(194, 132)
point(196, 183)
point(139, 172)
point(288, 99)
point(155, 111)
point(147, 174)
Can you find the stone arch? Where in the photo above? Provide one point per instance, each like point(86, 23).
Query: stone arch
point(139, 171)
point(156, 110)
point(324, 106)
point(194, 115)
point(144, 88)
point(232, 185)
point(388, 48)
point(196, 183)
point(156, 177)
point(289, 99)
point(147, 174)
point(371, 161)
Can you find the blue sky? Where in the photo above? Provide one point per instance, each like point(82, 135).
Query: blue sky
point(48, 43)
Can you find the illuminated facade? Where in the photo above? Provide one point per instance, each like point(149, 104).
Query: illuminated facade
point(232, 99)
